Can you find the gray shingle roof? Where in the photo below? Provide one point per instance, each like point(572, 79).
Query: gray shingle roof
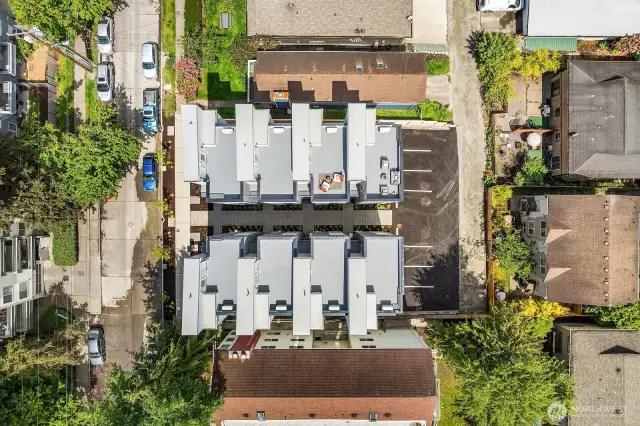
point(315, 18)
point(603, 100)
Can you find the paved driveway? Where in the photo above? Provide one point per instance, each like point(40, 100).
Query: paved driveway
point(428, 220)
point(131, 224)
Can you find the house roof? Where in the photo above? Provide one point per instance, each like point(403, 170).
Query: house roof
point(332, 76)
point(581, 18)
point(604, 103)
point(330, 373)
point(605, 377)
point(314, 18)
point(328, 382)
point(593, 256)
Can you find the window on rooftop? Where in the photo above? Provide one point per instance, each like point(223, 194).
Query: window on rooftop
point(359, 67)
point(379, 64)
point(373, 417)
point(261, 417)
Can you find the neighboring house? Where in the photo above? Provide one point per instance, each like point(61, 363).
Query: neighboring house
point(348, 22)
point(257, 160)
point(8, 77)
point(605, 364)
point(585, 246)
point(558, 24)
point(595, 107)
point(329, 379)
point(340, 77)
point(21, 279)
point(256, 278)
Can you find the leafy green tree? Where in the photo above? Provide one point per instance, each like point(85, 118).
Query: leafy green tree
point(203, 47)
point(33, 399)
point(538, 62)
point(512, 253)
point(619, 316)
point(506, 378)
point(501, 194)
point(533, 172)
point(60, 19)
point(496, 55)
point(169, 383)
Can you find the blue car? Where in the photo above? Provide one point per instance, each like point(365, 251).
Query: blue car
point(149, 175)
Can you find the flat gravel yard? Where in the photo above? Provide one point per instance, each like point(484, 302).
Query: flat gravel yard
point(428, 220)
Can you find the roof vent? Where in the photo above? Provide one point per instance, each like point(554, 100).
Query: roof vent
point(606, 207)
point(606, 258)
point(606, 269)
point(606, 218)
point(605, 282)
point(291, 5)
point(606, 243)
point(606, 230)
point(606, 294)
point(227, 130)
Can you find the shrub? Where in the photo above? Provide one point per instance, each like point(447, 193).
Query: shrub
point(501, 194)
point(513, 254)
point(603, 45)
point(189, 77)
point(64, 247)
point(438, 66)
point(246, 48)
point(192, 15)
point(629, 44)
point(496, 55)
point(538, 62)
point(533, 172)
point(536, 307)
point(434, 111)
point(619, 316)
point(161, 253)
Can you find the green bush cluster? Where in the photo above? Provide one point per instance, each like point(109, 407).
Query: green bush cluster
point(64, 247)
point(438, 66)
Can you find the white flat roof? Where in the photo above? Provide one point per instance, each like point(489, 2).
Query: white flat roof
point(191, 297)
point(581, 18)
point(245, 148)
point(357, 296)
point(190, 142)
point(356, 138)
point(300, 141)
point(245, 309)
point(302, 296)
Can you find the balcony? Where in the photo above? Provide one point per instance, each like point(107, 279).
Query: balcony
point(8, 58)
point(8, 98)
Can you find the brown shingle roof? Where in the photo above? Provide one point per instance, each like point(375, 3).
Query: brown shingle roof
point(330, 373)
point(332, 76)
point(602, 265)
point(331, 383)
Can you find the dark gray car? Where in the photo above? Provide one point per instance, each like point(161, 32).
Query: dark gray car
point(97, 349)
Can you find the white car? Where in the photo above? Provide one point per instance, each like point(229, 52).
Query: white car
point(149, 60)
point(500, 5)
point(105, 36)
point(105, 82)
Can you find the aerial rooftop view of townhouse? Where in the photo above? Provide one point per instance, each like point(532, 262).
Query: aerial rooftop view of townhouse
point(259, 160)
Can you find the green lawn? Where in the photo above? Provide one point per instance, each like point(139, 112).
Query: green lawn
point(64, 247)
point(192, 15)
point(90, 95)
point(169, 27)
point(222, 81)
point(428, 110)
point(449, 390)
point(334, 114)
point(63, 104)
point(438, 66)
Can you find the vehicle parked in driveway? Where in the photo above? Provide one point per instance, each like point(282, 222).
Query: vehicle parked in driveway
point(500, 5)
point(105, 36)
point(96, 344)
point(149, 173)
point(105, 82)
point(149, 60)
point(150, 114)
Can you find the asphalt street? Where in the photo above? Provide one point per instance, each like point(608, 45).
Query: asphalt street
point(131, 223)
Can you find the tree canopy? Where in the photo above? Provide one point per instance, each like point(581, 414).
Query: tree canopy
point(506, 378)
point(619, 316)
point(533, 172)
point(512, 253)
point(60, 19)
point(168, 385)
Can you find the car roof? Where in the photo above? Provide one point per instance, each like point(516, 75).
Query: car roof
point(102, 70)
point(102, 28)
point(147, 49)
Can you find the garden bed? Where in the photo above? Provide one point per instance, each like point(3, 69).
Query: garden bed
point(328, 206)
point(327, 228)
point(287, 207)
point(64, 247)
point(242, 207)
point(287, 228)
point(372, 207)
point(63, 105)
point(233, 228)
point(428, 111)
point(372, 228)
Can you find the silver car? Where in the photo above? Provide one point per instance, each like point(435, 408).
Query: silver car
point(97, 347)
point(105, 36)
point(500, 5)
point(105, 82)
point(149, 60)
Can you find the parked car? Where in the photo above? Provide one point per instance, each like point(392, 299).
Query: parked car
point(149, 60)
point(149, 173)
point(150, 114)
point(105, 82)
point(105, 36)
point(96, 344)
point(500, 5)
